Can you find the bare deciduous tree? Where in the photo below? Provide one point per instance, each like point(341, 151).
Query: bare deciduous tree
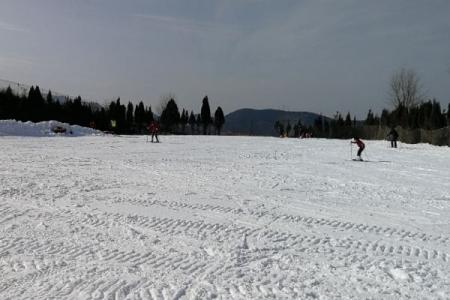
point(405, 89)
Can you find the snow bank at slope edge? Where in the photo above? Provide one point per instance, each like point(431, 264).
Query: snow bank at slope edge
point(46, 128)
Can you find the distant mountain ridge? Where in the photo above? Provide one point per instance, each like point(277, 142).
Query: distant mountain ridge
point(261, 122)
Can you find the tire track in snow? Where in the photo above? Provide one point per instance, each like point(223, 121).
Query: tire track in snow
point(352, 250)
point(373, 229)
point(343, 249)
point(341, 225)
point(223, 232)
point(94, 254)
point(8, 213)
point(72, 252)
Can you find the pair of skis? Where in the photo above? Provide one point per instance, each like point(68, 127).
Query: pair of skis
point(153, 141)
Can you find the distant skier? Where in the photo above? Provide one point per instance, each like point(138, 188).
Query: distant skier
point(360, 145)
point(154, 130)
point(393, 137)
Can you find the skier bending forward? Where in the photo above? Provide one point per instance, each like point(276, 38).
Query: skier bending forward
point(360, 145)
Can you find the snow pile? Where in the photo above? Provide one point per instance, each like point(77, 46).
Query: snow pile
point(47, 128)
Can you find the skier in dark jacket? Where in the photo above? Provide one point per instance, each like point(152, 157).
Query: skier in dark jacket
point(393, 136)
point(360, 145)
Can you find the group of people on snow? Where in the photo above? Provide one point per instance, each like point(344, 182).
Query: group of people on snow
point(392, 136)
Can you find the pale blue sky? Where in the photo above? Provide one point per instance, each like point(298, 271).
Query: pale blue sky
point(316, 55)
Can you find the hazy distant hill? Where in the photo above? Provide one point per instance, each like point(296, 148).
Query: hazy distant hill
point(23, 89)
point(261, 122)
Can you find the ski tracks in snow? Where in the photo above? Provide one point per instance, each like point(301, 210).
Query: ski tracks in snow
point(207, 226)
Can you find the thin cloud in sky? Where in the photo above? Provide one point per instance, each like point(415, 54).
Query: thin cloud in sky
point(14, 67)
point(15, 61)
point(186, 25)
point(12, 27)
point(317, 55)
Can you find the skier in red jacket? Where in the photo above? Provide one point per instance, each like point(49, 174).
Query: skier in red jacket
point(153, 127)
point(360, 145)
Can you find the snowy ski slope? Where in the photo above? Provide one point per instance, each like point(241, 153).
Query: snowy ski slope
point(104, 217)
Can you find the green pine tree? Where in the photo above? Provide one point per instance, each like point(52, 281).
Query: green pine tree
point(219, 119)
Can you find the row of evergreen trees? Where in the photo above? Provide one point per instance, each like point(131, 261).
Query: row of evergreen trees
point(426, 115)
point(335, 127)
point(286, 129)
point(175, 122)
point(115, 117)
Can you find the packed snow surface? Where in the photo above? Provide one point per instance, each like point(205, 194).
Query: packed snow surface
point(18, 128)
point(105, 217)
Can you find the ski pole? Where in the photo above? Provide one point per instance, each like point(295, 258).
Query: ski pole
point(351, 151)
point(368, 158)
